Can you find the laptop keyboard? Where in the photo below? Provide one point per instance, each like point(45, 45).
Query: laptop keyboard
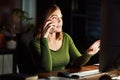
point(85, 73)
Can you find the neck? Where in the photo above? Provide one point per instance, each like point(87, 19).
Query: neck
point(52, 37)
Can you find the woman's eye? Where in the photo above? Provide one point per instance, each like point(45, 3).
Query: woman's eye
point(54, 18)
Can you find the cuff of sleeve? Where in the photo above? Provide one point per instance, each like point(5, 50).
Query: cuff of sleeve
point(87, 55)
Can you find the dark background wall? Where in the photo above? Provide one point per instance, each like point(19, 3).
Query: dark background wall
point(6, 7)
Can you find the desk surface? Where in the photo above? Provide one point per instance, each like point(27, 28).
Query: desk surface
point(54, 73)
point(114, 73)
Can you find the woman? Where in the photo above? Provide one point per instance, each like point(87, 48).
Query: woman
point(55, 48)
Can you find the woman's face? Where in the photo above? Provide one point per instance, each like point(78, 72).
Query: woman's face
point(56, 20)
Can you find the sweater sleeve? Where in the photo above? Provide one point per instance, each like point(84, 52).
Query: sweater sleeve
point(78, 59)
point(42, 48)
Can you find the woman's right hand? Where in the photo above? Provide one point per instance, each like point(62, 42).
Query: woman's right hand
point(48, 28)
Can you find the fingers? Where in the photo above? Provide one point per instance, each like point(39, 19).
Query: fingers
point(48, 28)
point(45, 29)
point(96, 43)
point(49, 23)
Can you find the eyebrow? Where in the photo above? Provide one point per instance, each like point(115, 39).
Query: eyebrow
point(54, 15)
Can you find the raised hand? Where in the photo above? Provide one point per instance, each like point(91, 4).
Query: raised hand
point(48, 28)
point(94, 48)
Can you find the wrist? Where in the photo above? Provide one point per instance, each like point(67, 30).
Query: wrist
point(88, 52)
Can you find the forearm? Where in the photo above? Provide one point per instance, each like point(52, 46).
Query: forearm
point(46, 56)
point(40, 48)
point(81, 61)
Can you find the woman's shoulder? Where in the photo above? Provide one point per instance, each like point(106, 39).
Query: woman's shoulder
point(35, 42)
point(66, 35)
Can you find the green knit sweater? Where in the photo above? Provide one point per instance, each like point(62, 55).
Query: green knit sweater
point(57, 60)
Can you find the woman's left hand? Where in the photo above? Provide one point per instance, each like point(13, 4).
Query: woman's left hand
point(94, 48)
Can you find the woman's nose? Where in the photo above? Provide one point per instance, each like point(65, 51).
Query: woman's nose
point(59, 20)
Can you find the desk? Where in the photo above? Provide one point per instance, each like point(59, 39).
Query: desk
point(54, 73)
point(114, 73)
